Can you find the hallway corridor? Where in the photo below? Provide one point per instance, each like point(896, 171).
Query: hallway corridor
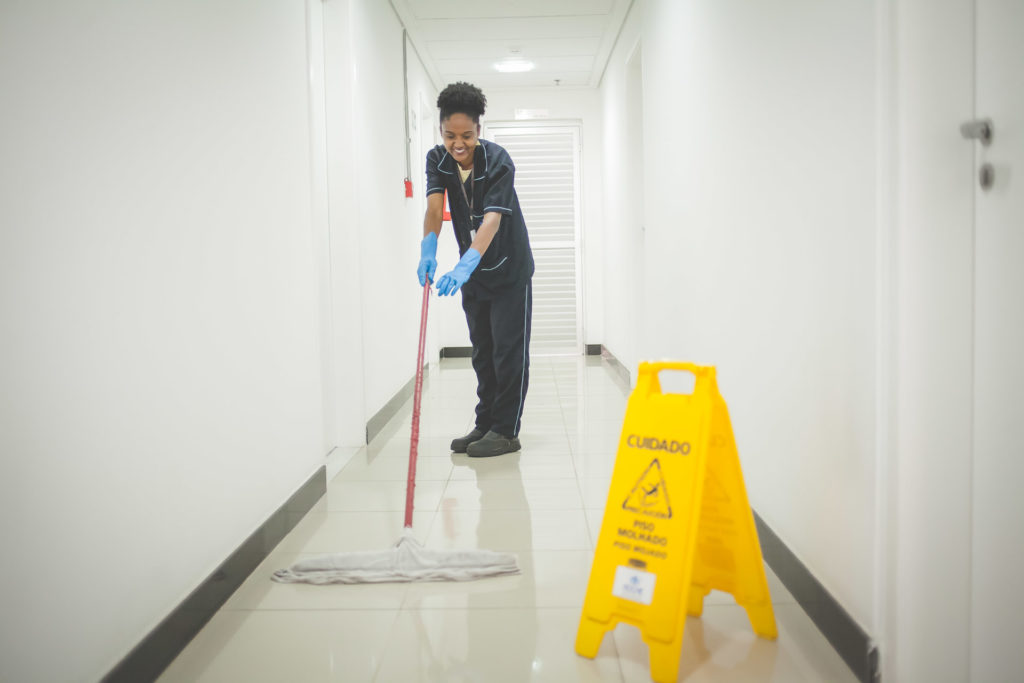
point(544, 503)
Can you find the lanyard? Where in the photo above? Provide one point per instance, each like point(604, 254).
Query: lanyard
point(469, 197)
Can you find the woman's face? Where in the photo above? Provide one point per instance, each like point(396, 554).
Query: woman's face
point(460, 136)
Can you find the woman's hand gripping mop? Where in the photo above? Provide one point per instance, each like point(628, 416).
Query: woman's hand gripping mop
point(407, 560)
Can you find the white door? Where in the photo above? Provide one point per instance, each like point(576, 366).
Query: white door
point(547, 160)
point(997, 572)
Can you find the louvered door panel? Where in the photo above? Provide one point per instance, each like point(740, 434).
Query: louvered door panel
point(547, 182)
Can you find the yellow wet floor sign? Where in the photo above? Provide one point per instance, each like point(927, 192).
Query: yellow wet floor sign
point(677, 523)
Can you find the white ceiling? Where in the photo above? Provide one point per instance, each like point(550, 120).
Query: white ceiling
point(568, 40)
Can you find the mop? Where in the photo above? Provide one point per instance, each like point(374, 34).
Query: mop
point(407, 560)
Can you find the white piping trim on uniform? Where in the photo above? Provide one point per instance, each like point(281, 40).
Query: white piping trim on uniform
point(485, 161)
point(522, 378)
point(488, 208)
point(496, 266)
point(434, 190)
point(441, 162)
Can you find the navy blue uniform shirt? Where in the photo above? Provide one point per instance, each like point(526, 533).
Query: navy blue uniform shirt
point(508, 261)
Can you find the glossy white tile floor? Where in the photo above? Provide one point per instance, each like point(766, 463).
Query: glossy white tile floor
point(544, 503)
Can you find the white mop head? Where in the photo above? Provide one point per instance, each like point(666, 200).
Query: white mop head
point(407, 560)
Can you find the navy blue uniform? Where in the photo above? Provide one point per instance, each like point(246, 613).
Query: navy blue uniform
point(498, 297)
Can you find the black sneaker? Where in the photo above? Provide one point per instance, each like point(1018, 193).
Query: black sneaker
point(492, 443)
point(459, 445)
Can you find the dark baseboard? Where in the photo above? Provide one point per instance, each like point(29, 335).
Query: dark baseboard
point(165, 642)
point(457, 352)
point(852, 643)
point(593, 349)
point(390, 409)
point(620, 371)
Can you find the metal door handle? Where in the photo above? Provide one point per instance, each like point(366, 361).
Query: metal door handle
point(978, 129)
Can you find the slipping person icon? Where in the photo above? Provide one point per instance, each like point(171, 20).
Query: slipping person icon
point(495, 271)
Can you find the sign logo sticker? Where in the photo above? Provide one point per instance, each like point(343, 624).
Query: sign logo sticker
point(650, 495)
point(634, 584)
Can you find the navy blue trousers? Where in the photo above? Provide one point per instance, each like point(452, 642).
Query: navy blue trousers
point(499, 329)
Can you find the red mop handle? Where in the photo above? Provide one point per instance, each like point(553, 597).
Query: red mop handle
point(414, 442)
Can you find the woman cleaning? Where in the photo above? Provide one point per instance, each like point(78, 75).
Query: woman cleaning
point(495, 271)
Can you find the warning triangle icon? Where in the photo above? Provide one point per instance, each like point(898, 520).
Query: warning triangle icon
point(713, 490)
point(650, 495)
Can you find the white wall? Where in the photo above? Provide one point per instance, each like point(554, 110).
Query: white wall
point(160, 368)
point(623, 202)
point(446, 324)
point(390, 226)
point(345, 402)
point(759, 249)
point(375, 230)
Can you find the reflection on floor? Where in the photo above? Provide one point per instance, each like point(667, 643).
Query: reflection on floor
point(544, 503)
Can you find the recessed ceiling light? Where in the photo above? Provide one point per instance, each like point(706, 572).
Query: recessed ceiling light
point(512, 66)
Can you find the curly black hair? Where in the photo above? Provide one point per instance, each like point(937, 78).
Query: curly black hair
point(462, 98)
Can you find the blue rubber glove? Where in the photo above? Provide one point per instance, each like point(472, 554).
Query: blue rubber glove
point(451, 282)
point(428, 258)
